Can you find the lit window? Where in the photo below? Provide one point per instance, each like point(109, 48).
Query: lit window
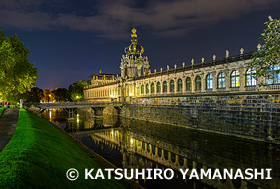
point(250, 77)
point(209, 81)
point(158, 87)
point(152, 88)
point(221, 80)
point(180, 85)
point(188, 84)
point(147, 88)
point(198, 83)
point(273, 77)
point(164, 86)
point(172, 86)
point(234, 79)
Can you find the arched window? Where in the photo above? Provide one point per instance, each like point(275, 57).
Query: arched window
point(198, 82)
point(179, 85)
point(250, 77)
point(188, 84)
point(152, 88)
point(172, 86)
point(138, 90)
point(209, 81)
point(272, 77)
point(234, 79)
point(142, 89)
point(158, 87)
point(164, 86)
point(221, 80)
point(147, 88)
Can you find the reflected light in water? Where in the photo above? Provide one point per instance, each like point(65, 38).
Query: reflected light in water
point(50, 115)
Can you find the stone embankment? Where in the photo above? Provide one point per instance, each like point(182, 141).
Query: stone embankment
point(255, 116)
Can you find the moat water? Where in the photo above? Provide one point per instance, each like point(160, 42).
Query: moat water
point(130, 143)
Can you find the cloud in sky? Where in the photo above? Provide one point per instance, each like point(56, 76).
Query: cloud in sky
point(113, 19)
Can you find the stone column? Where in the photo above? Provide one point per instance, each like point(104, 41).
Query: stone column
point(156, 151)
point(176, 85)
point(168, 86)
point(150, 89)
point(145, 92)
point(227, 79)
point(203, 82)
point(214, 74)
point(193, 84)
point(184, 84)
point(242, 79)
point(134, 89)
point(194, 165)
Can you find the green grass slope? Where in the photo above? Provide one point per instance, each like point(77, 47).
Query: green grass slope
point(1, 111)
point(39, 155)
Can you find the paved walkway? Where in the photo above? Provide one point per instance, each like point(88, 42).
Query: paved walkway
point(8, 123)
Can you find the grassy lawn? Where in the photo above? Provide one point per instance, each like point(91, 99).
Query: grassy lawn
point(1, 111)
point(39, 155)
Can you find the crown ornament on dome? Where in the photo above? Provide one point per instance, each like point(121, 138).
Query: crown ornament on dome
point(134, 49)
point(134, 33)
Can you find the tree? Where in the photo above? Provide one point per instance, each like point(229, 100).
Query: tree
point(268, 56)
point(76, 91)
point(48, 96)
point(17, 74)
point(60, 94)
point(35, 95)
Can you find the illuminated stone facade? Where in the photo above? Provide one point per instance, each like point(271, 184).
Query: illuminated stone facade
point(226, 75)
point(205, 95)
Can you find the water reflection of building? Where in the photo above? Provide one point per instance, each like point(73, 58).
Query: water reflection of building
point(148, 150)
point(85, 120)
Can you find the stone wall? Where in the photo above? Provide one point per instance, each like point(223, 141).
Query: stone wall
point(255, 115)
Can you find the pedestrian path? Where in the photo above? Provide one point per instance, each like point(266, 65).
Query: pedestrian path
point(8, 123)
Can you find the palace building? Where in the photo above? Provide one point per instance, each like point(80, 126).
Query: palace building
point(227, 75)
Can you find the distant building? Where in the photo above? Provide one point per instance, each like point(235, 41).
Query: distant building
point(103, 78)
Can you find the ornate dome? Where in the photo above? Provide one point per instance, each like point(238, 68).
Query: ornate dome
point(134, 48)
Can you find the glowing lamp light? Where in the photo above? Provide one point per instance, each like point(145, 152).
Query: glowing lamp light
point(130, 94)
point(111, 96)
point(77, 96)
point(131, 141)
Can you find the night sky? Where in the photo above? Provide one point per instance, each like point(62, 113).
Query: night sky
point(70, 40)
